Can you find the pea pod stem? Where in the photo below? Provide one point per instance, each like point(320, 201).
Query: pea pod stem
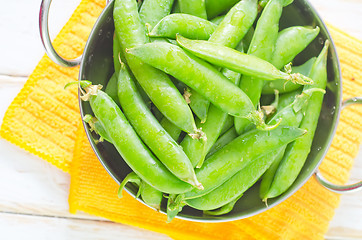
point(96, 126)
point(286, 86)
point(81, 84)
point(198, 104)
point(131, 177)
point(239, 62)
point(117, 54)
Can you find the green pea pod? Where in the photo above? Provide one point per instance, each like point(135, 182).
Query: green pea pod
point(171, 128)
point(248, 174)
point(238, 61)
point(285, 52)
point(231, 30)
point(111, 88)
point(297, 152)
point(224, 209)
point(138, 157)
point(193, 7)
point(227, 125)
point(237, 154)
point(287, 98)
point(151, 132)
point(286, 86)
point(230, 33)
point(200, 105)
point(262, 46)
point(217, 20)
point(157, 85)
point(195, 149)
point(152, 11)
point(247, 39)
point(212, 127)
point(215, 7)
point(235, 186)
point(185, 24)
point(176, 7)
point(236, 24)
point(151, 196)
point(128, 26)
point(300, 37)
point(269, 174)
point(200, 76)
point(222, 141)
point(291, 115)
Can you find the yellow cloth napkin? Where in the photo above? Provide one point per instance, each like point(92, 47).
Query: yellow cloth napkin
point(44, 120)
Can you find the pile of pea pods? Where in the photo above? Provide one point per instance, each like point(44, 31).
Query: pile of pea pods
point(204, 101)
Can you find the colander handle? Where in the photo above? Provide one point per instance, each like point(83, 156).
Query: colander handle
point(341, 188)
point(45, 38)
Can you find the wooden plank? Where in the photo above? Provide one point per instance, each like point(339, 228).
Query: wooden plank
point(33, 186)
point(21, 47)
point(19, 227)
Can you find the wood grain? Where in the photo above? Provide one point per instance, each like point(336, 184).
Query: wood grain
point(13, 226)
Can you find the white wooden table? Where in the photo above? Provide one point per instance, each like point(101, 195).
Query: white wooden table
point(34, 194)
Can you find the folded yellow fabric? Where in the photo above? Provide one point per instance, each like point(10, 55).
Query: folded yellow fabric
point(44, 119)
